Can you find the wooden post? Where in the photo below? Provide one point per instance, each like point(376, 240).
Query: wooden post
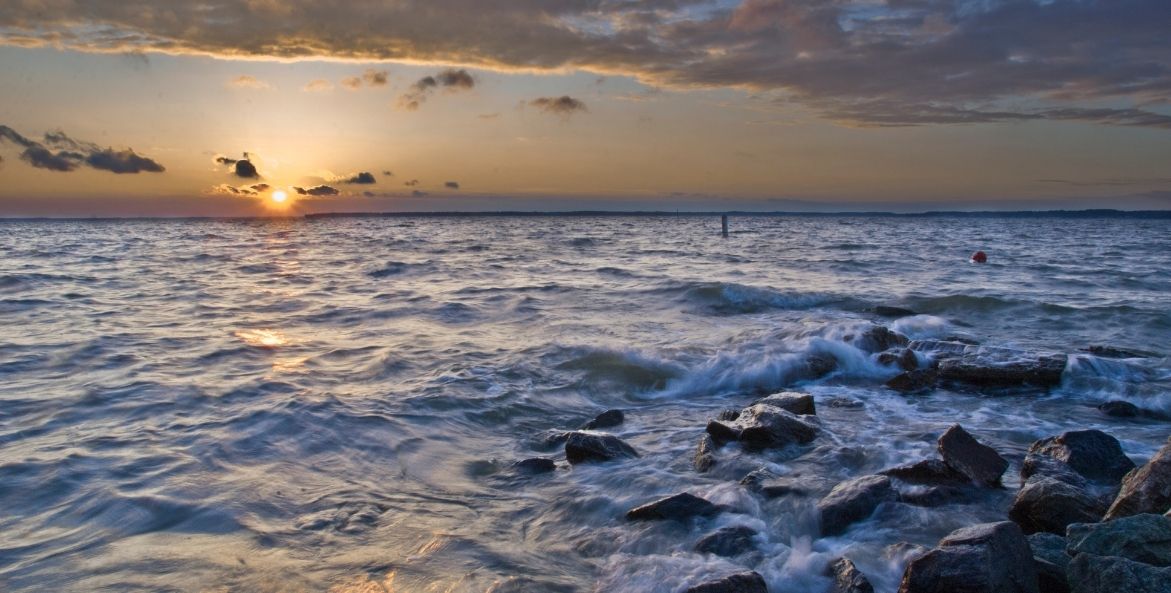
point(724, 223)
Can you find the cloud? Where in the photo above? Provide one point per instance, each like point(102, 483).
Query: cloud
point(388, 173)
point(411, 183)
point(451, 80)
point(924, 61)
point(363, 178)
point(242, 168)
point(563, 106)
point(249, 82)
point(60, 153)
point(320, 190)
point(370, 78)
point(318, 86)
point(451, 184)
point(225, 189)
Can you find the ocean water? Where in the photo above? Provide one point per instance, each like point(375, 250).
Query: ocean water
point(334, 404)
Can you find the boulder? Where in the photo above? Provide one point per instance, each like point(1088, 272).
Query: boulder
point(678, 507)
point(1050, 505)
point(939, 350)
point(877, 338)
point(928, 471)
point(589, 446)
point(1119, 409)
point(847, 578)
point(728, 415)
point(607, 419)
point(745, 582)
point(800, 404)
point(1092, 453)
point(994, 367)
point(852, 501)
point(1146, 489)
point(904, 359)
point(704, 454)
point(1043, 465)
point(963, 453)
point(985, 558)
point(1051, 562)
point(534, 465)
point(914, 381)
point(727, 542)
point(935, 496)
point(763, 426)
point(1109, 574)
point(1143, 538)
point(815, 366)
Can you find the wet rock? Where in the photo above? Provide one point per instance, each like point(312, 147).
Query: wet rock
point(982, 368)
point(1051, 561)
point(1108, 574)
point(939, 350)
point(1043, 465)
point(1050, 577)
point(727, 542)
point(800, 404)
point(1112, 352)
point(728, 415)
point(678, 507)
point(745, 582)
point(1047, 504)
point(1119, 409)
point(928, 471)
point(1143, 538)
point(587, 446)
point(705, 457)
point(935, 496)
point(763, 426)
point(877, 338)
point(963, 453)
point(845, 403)
point(534, 465)
point(852, 501)
point(607, 419)
point(1146, 489)
point(904, 359)
point(894, 312)
point(985, 558)
point(816, 367)
point(1094, 454)
point(847, 577)
point(914, 381)
point(755, 478)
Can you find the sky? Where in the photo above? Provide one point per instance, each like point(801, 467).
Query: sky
point(284, 107)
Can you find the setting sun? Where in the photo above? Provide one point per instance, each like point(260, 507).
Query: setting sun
point(279, 196)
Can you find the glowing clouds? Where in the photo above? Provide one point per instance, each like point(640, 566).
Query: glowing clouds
point(563, 106)
point(451, 80)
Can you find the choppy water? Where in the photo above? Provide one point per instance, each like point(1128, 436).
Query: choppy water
point(331, 405)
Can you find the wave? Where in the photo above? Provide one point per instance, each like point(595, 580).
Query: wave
point(729, 298)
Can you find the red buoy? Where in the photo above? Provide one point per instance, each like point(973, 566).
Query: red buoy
point(980, 257)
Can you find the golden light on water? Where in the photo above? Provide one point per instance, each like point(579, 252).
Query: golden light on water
point(262, 338)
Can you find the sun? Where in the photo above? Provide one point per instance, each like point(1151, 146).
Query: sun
point(279, 196)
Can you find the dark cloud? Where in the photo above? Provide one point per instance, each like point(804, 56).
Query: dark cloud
point(363, 178)
point(61, 153)
point(242, 168)
point(921, 61)
point(223, 160)
point(411, 183)
point(370, 77)
point(320, 190)
point(563, 106)
point(451, 79)
point(388, 173)
point(243, 190)
point(451, 184)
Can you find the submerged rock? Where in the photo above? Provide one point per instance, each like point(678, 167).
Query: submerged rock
point(985, 558)
point(1119, 409)
point(588, 446)
point(914, 381)
point(727, 542)
point(928, 471)
point(1112, 352)
point(1143, 538)
point(889, 311)
point(1048, 504)
point(1108, 574)
point(1092, 453)
point(745, 582)
point(1146, 489)
point(763, 426)
point(996, 368)
point(905, 359)
point(963, 453)
point(847, 577)
point(800, 404)
point(534, 465)
point(705, 457)
point(852, 501)
point(678, 507)
point(607, 419)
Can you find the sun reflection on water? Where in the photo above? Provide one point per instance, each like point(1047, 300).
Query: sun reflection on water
point(262, 338)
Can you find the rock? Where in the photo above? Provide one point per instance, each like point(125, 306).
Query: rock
point(763, 426)
point(534, 465)
point(852, 501)
point(1042, 465)
point(1048, 504)
point(935, 496)
point(607, 419)
point(877, 338)
point(888, 311)
point(1050, 577)
point(1112, 352)
point(705, 454)
point(745, 582)
point(845, 403)
point(1051, 561)
point(728, 415)
point(914, 381)
point(800, 404)
point(727, 542)
point(985, 367)
point(904, 359)
point(928, 471)
point(816, 367)
point(1092, 453)
point(1146, 489)
point(678, 507)
point(985, 558)
point(1143, 538)
point(847, 578)
point(963, 453)
point(1119, 409)
point(1108, 574)
point(587, 446)
point(940, 349)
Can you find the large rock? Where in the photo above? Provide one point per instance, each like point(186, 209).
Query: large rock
point(1142, 538)
point(1051, 562)
point(1119, 409)
point(904, 359)
point(800, 404)
point(914, 381)
point(1001, 367)
point(847, 578)
point(762, 426)
point(1048, 504)
point(589, 446)
point(877, 338)
point(1109, 574)
point(729, 541)
point(678, 507)
point(928, 471)
point(607, 419)
point(986, 558)
point(852, 501)
point(534, 465)
point(745, 582)
point(1146, 489)
point(1092, 453)
point(963, 453)
point(705, 454)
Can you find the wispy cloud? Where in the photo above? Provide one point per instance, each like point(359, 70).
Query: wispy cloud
point(451, 80)
point(318, 86)
point(563, 106)
point(249, 82)
point(59, 152)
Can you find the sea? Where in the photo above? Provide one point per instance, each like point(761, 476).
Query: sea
point(336, 404)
